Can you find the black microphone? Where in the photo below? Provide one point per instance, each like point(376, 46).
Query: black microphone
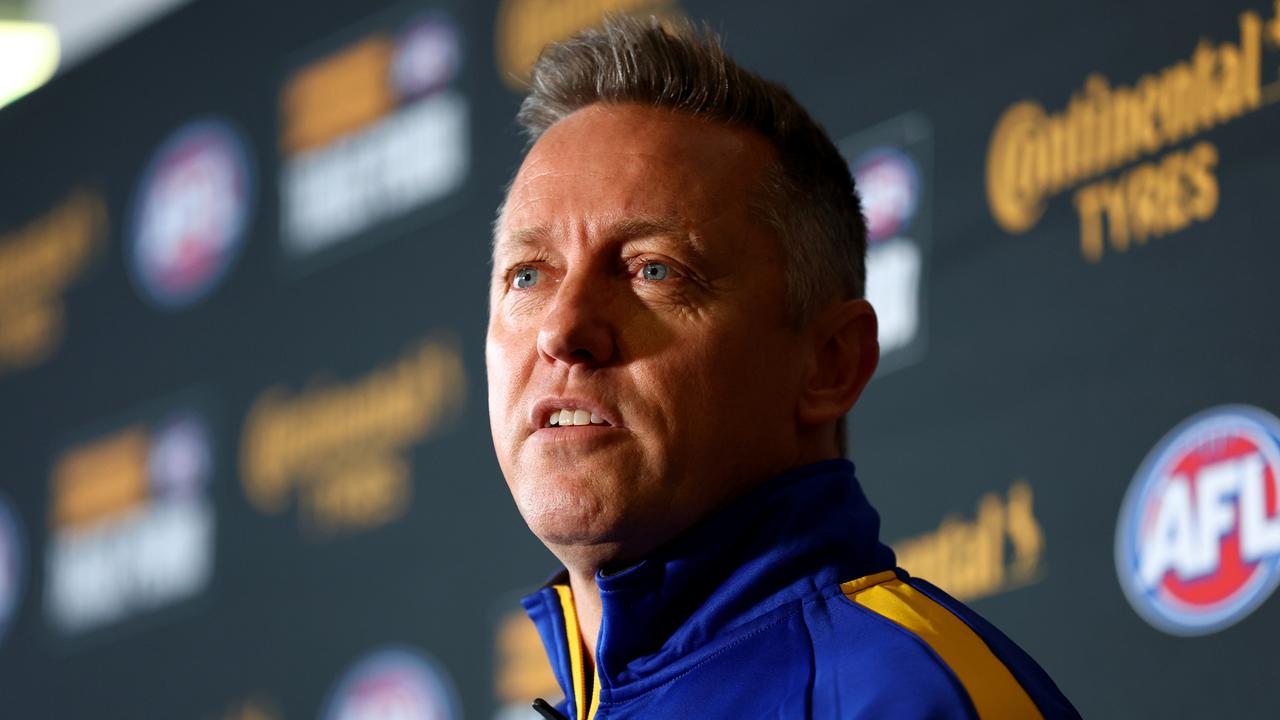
point(545, 710)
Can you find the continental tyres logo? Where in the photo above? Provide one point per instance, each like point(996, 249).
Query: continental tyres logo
point(1000, 549)
point(254, 707)
point(521, 669)
point(340, 448)
point(526, 26)
point(38, 262)
point(1035, 155)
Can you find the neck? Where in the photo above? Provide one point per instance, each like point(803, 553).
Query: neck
point(586, 602)
point(582, 562)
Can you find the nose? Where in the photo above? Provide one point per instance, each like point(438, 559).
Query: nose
point(578, 328)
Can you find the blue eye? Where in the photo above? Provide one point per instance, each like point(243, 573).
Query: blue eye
point(655, 271)
point(526, 277)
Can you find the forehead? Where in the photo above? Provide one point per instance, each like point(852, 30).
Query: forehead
point(607, 164)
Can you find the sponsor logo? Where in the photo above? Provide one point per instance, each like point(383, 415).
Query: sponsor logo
point(131, 522)
point(1035, 154)
point(394, 682)
point(1198, 539)
point(524, 27)
point(253, 707)
point(372, 132)
point(190, 214)
point(522, 671)
point(38, 262)
point(342, 448)
point(428, 55)
point(889, 185)
point(12, 559)
point(890, 165)
point(1000, 549)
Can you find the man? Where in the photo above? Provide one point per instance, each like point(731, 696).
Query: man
point(676, 332)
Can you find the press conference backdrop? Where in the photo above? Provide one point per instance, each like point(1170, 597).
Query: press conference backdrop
point(246, 469)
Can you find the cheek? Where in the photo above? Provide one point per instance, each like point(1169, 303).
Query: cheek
point(750, 373)
point(696, 382)
point(505, 377)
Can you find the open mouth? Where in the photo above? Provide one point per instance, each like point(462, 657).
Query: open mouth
point(572, 417)
point(569, 412)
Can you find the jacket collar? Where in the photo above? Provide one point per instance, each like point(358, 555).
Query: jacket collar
point(809, 528)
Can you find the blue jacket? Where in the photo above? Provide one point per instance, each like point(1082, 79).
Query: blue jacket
point(785, 604)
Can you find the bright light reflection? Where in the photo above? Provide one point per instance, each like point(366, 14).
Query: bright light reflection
point(28, 57)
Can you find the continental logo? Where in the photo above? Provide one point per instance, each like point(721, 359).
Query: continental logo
point(340, 448)
point(526, 26)
point(1035, 154)
point(254, 707)
point(1000, 549)
point(38, 262)
point(522, 670)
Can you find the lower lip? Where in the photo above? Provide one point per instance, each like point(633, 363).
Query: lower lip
point(576, 433)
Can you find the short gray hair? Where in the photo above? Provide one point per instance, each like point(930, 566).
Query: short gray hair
point(807, 196)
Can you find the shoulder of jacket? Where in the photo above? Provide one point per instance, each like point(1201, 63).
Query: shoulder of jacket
point(886, 634)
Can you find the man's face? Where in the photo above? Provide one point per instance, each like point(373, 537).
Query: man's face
point(632, 281)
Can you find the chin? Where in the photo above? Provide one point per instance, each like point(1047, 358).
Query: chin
point(565, 511)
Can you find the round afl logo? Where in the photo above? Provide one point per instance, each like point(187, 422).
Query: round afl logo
point(428, 55)
point(10, 566)
point(1198, 540)
point(190, 214)
point(393, 684)
point(180, 461)
point(889, 184)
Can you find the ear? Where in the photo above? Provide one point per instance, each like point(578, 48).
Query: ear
point(844, 355)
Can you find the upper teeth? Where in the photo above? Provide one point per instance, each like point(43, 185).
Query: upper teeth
point(572, 416)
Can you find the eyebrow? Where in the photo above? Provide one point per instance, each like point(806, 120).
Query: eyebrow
point(628, 228)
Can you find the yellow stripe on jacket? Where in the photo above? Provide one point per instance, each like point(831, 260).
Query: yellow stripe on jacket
point(576, 653)
point(994, 691)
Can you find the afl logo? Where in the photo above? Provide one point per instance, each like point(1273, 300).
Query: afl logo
point(394, 683)
point(190, 214)
point(889, 185)
point(1198, 540)
point(10, 566)
point(428, 55)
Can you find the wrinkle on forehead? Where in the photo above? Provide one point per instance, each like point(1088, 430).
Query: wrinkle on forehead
point(621, 229)
point(606, 165)
point(646, 193)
